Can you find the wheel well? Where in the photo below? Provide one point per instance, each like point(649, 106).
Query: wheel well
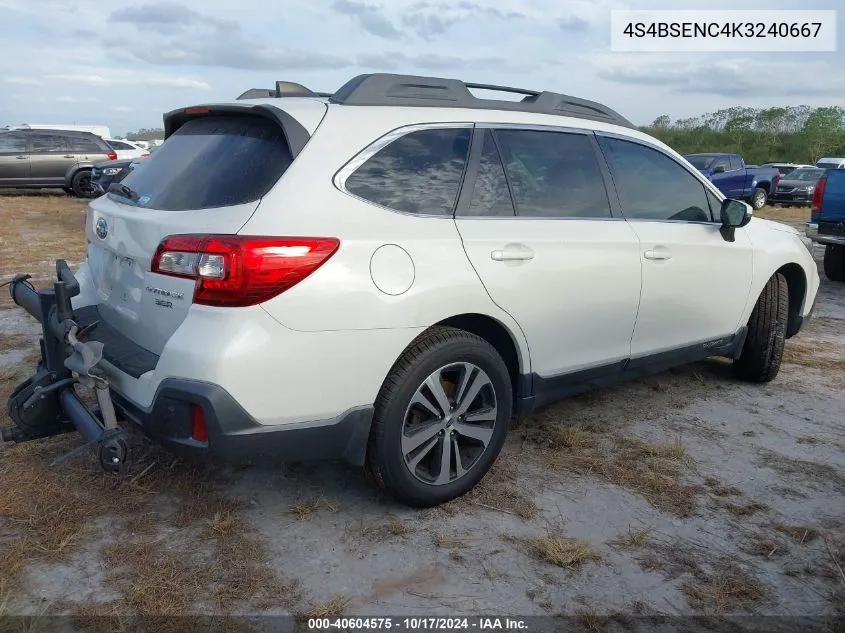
point(764, 186)
point(494, 333)
point(796, 282)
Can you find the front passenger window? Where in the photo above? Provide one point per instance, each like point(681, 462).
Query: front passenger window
point(652, 186)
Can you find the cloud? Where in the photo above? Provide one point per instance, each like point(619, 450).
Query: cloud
point(124, 78)
point(69, 99)
point(432, 61)
point(170, 15)
point(727, 77)
point(428, 25)
point(369, 17)
point(236, 53)
point(22, 81)
point(573, 23)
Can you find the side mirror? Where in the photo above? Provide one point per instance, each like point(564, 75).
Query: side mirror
point(734, 214)
point(719, 169)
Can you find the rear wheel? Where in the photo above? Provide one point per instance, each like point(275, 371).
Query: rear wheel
point(441, 418)
point(81, 184)
point(834, 262)
point(758, 199)
point(763, 349)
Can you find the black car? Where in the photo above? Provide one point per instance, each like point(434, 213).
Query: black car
point(109, 172)
point(797, 187)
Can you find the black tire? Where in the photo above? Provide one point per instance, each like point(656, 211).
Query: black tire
point(758, 198)
point(763, 348)
point(834, 262)
point(81, 184)
point(432, 350)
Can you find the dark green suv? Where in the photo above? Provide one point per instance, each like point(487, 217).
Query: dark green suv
point(48, 159)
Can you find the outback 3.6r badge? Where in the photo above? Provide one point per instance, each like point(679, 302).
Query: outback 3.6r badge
point(101, 228)
point(162, 292)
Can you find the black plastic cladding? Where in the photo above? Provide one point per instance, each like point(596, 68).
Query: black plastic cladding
point(385, 89)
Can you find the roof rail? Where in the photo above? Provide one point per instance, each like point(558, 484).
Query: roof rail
point(410, 90)
point(282, 89)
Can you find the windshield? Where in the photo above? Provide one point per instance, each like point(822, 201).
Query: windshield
point(806, 175)
point(700, 161)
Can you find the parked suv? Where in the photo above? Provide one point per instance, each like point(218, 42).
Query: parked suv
point(38, 159)
point(387, 275)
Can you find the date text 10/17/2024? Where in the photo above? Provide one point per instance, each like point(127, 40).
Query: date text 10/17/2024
point(409, 624)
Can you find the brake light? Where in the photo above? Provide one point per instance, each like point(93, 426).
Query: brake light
point(145, 155)
point(818, 197)
point(241, 270)
point(112, 155)
point(197, 110)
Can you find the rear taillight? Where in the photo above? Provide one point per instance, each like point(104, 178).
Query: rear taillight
point(818, 196)
point(145, 155)
point(241, 270)
point(112, 155)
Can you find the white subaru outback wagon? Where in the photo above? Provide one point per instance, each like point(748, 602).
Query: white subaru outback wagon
point(387, 274)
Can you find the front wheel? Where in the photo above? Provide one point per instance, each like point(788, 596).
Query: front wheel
point(763, 348)
point(440, 418)
point(758, 199)
point(834, 262)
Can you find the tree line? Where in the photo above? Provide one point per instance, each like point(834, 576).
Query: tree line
point(796, 134)
point(146, 134)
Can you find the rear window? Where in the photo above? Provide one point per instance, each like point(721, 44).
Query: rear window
point(821, 165)
point(213, 161)
point(117, 145)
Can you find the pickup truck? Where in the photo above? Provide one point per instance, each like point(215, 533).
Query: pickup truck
point(827, 221)
point(730, 175)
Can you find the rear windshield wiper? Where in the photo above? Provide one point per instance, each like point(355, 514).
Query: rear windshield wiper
point(123, 191)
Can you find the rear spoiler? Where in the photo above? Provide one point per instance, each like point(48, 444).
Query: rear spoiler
point(295, 134)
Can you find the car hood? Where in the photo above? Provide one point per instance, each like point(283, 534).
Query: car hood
point(778, 226)
point(115, 163)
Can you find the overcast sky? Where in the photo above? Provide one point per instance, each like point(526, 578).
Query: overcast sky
point(122, 64)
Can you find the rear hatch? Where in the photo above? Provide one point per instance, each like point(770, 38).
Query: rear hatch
point(207, 178)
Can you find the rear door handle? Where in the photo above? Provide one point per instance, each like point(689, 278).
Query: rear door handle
point(21, 157)
point(658, 254)
point(511, 254)
point(70, 156)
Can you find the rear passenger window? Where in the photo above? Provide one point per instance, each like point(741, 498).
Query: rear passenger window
point(48, 143)
point(490, 195)
point(553, 174)
point(212, 161)
point(736, 163)
point(652, 186)
point(419, 172)
point(84, 145)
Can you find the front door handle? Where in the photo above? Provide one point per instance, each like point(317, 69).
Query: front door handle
point(21, 157)
point(658, 254)
point(70, 156)
point(512, 254)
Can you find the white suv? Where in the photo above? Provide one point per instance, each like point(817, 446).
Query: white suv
point(388, 274)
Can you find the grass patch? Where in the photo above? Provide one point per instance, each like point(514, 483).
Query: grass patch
point(632, 539)
point(499, 490)
point(802, 469)
point(653, 470)
point(784, 214)
point(813, 355)
point(334, 608)
point(744, 509)
point(801, 534)
point(766, 546)
point(728, 589)
point(306, 509)
point(563, 552)
point(716, 488)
